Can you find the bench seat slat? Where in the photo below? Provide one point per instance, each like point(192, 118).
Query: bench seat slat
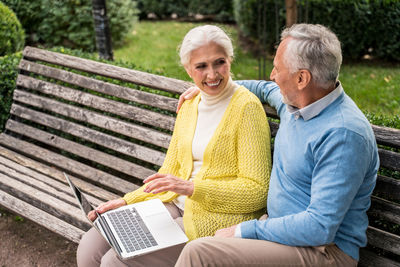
point(41, 182)
point(54, 159)
point(94, 118)
point(105, 140)
point(44, 201)
point(41, 217)
point(381, 239)
point(119, 73)
point(97, 102)
point(29, 167)
point(105, 159)
point(130, 94)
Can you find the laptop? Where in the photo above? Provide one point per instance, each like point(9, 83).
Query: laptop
point(135, 229)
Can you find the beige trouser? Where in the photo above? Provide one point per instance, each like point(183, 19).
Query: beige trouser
point(217, 251)
point(93, 250)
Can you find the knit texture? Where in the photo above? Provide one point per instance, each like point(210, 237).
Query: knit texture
point(232, 183)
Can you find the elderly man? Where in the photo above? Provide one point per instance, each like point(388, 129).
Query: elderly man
point(324, 167)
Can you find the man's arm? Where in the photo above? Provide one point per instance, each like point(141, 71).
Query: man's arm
point(268, 92)
point(340, 168)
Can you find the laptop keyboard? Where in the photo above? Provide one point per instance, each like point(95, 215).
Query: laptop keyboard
point(131, 229)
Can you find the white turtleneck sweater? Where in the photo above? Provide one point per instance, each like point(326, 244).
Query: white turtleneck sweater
point(211, 109)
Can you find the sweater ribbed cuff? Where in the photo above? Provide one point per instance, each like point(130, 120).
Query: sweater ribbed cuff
point(200, 190)
point(248, 229)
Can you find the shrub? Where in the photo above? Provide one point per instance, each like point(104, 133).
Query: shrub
point(70, 23)
point(8, 75)
point(222, 9)
point(11, 33)
point(363, 26)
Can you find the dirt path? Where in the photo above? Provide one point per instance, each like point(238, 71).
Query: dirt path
point(24, 243)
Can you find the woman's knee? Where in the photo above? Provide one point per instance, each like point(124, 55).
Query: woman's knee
point(91, 249)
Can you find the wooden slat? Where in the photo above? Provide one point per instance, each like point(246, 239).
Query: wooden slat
point(123, 74)
point(273, 126)
point(270, 111)
point(82, 151)
point(126, 93)
point(94, 118)
point(53, 159)
point(40, 217)
point(127, 111)
point(37, 184)
point(37, 167)
point(387, 187)
point(384, 240)
point(384, 209)
point(387, 136)
point(44, 201)
point(389, 159)
point(41, 182)
point(371, 259)
point(105, 140)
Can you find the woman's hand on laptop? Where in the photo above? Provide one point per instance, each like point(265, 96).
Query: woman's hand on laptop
point(167, 182)
point(187, 95)
point(109, 205)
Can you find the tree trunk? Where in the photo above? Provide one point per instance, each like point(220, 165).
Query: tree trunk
point(291, 12)
point(102, 29)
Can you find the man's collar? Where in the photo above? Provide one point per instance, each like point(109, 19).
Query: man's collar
point(312, 110)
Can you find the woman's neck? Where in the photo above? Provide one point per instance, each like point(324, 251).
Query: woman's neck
point(228, 91)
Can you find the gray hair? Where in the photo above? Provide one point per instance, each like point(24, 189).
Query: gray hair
point(315, 48)
point(203, 35)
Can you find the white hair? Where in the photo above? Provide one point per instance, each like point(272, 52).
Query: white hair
point(315, 48)
point(203, 35)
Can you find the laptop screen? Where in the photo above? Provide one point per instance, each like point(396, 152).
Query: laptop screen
point(82, 199)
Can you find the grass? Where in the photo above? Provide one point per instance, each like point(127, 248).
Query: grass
point(153, 45)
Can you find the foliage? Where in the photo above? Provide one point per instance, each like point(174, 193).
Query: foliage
point(363, 26)
point(70, 23)
point(8, 75)
point(183, 8)
point(11, 33)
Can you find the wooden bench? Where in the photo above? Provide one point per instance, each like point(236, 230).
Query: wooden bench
point(109, 127)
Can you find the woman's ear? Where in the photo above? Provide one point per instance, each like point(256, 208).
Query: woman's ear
point(188, 71)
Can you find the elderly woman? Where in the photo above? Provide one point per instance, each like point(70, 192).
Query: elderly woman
point(216, 171)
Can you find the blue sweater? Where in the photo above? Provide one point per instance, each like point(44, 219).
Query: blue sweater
point(324, 171)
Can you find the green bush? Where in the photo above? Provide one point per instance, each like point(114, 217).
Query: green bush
point(70, 23)
point(8, 75)
point(11, 33)
point(363, 26)
point(222, 10)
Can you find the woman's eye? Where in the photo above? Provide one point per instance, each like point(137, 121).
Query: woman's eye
point(200, 67)
point(221, 62)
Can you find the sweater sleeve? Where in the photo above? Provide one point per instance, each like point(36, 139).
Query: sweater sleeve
point(247, 191)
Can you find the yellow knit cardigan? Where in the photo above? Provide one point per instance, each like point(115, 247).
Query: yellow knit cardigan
point(232, 183)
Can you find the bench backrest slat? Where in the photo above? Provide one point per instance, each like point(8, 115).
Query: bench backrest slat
point(79, 150)
point(92, 101)
point(389, 159)
point(102, 139)
point(384, 240)
point(94, 118)
point(388, 187)
point(385, 209)
point(123, 74)
point(113, 183)
point(111, 89)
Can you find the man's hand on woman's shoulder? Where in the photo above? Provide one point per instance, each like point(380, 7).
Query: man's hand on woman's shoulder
point(187, 95)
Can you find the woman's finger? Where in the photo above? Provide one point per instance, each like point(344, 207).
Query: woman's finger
point(153, 177)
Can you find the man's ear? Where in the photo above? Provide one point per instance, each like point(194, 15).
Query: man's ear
point(303, 79)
